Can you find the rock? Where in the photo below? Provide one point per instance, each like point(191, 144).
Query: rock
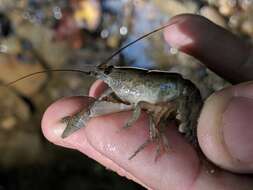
point(213, 15)
point(9, 123)
point(54, 53)
point(87, 14)
point(247, 27)
point(67, 30)
point(14, 63)
point(13, 108)
point(174, 7)
point(227, 7)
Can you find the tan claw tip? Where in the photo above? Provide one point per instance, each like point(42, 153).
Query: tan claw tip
point(68, 130)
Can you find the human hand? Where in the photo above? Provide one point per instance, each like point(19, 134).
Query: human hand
point(225, 129)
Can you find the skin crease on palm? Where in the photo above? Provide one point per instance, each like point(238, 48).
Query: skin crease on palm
point(224, 132)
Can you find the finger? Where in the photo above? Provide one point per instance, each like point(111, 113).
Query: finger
point(218, 49)
point(102, 141)
point(97, 88)
point(225, 128)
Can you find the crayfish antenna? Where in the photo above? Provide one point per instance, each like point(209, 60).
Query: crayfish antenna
point(91, 73)
point(94, 70)
point(107, 60)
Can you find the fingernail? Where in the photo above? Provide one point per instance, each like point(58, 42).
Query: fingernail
point(238, 129)
point(175, 36)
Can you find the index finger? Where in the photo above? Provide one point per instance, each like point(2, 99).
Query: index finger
point(221, 51)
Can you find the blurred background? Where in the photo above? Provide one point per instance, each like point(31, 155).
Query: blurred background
point(44, 34)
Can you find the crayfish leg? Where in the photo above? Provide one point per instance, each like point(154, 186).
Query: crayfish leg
point(163, 143)
point(158, 121)
point(135, 116)
point(155, 136)
point(140, 148)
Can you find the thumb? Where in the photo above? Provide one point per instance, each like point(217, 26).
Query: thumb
point(225, 129)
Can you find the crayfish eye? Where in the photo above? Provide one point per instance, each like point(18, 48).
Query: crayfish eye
point(108, 69)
